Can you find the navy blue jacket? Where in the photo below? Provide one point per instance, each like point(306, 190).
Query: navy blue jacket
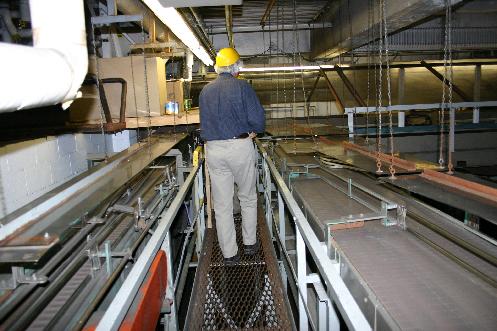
point(228, 108)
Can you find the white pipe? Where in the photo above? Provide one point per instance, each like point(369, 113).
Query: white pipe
point(189, 65)
point(52, 71)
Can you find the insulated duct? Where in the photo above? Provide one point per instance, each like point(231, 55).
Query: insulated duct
point(50, 72)
point(133, 7)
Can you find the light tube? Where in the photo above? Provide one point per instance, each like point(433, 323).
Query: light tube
point(175, 22)
point(290, 68)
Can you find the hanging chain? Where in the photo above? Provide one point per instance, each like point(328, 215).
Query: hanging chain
point(306, 105)
point(370, 26)
point(278, 74)
point(97, 68)
point(379, 87)
point(389, 94)
point(445, 80)
point(284, 78)
point(450, 165)
point(294, 107)
point(147, 101)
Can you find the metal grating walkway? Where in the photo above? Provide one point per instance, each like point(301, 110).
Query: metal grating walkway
point(249, 295)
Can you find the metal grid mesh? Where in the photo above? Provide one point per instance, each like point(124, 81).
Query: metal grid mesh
point(248, 295)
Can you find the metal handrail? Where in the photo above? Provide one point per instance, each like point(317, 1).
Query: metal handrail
point(348, 307)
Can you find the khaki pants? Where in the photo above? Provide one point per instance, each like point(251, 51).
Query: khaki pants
point(233, 161)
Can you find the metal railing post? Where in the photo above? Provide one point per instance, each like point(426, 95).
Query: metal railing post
point(302, 280)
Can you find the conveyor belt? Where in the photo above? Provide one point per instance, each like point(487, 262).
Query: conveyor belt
point(420, 288)
point(248, 295)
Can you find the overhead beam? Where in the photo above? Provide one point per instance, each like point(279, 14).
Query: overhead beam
point(267, 13)
point(309, 96)
point(350, 86)
point(271, 28)
point(446, 81)
point(199, 3)
point(355, 30)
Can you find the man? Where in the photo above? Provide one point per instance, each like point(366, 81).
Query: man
point(230, 117)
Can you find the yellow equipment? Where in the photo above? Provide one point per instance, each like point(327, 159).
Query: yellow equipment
point(226, 57)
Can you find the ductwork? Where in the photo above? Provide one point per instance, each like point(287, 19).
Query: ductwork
point(50, 72)
point(133, 7)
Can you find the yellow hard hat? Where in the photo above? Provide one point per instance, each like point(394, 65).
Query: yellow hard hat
point(226, 57)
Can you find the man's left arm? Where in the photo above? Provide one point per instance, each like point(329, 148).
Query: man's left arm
point(255, 112)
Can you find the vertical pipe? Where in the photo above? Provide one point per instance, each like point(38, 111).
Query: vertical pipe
point(229, 25)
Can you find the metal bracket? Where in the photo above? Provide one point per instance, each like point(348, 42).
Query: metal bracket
point(117, 208)
point(96, 220)
point(19, 277)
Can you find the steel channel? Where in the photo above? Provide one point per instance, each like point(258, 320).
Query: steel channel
point(57, 281)
point(116, 273)
point(119, 306)
point(475, 250)
point(21, 292)
point(350, 311)
point(76, 194)
point(25, 314)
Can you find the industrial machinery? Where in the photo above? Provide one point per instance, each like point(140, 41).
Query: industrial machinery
point(376, 173)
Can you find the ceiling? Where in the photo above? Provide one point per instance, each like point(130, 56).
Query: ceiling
point(249, 14)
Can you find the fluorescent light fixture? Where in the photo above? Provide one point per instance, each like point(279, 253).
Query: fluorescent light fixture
point(175, 22)
point(291, 68)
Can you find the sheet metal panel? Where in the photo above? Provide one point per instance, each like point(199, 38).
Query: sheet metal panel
point(448, 195)
point(420, 288)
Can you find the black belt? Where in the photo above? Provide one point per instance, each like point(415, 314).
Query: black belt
point(242, 136)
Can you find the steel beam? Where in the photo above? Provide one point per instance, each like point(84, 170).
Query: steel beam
point(107, 20)
point(267, 13)
point(348, 34)
point(446, 81)
point(461, 184)
point(308, 99)
point(333, 91)
point(350, 86)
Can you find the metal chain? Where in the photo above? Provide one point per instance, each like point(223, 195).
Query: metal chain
point(271, 117)
point(294, 107)
point(306, 106)
point(147, 101)
point(278, 74)
point(450, 165)
point(441, 114)
point(284, 78)
point(97, 68)
point(370, 26)
point(379, 87)
point(389, 94)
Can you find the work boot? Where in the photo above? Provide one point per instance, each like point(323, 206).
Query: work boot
point(251, 249)
point(232, 261)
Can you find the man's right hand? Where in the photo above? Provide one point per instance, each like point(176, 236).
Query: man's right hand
point(252, 135)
